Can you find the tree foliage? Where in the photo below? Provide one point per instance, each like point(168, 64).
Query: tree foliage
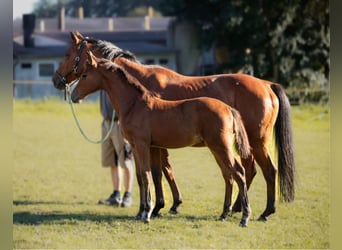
point(289, 39)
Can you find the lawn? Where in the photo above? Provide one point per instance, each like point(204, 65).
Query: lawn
point(57, 181)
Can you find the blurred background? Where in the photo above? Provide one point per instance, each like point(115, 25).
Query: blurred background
point(282, 41)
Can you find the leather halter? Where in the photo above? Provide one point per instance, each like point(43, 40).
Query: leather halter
point(75, 66)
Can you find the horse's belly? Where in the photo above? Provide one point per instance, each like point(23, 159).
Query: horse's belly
point(172, 140)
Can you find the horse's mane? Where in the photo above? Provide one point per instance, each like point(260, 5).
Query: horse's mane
point(145, 93)
point(111, 51)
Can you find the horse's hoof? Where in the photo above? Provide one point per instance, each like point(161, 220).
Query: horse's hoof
point(138, 216)
point(156, 215)
point(221, 218)
point(262, 218)
point(242, 225)
point(243, 222)
point(173, 211)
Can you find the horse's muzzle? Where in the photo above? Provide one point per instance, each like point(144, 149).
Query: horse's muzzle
point(58, 81)
point(75, 97)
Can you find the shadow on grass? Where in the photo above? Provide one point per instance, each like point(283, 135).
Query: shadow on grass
point(57, 217)
point(29, 218)
point(62, 218)
point(27, 203)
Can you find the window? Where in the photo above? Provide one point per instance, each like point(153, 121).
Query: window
point(46, 69)
point(26, 65)
point(163, 61)
point(149, 61)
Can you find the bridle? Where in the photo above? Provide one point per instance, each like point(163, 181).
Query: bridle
point(75, 66)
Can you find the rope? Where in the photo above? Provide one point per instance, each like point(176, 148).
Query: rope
point(68, 97)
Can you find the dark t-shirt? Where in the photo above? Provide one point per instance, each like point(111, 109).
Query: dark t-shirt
point(105, 105)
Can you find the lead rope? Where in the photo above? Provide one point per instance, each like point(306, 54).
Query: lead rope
point(68, 99)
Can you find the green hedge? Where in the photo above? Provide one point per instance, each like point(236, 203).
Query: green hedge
point(301, 96)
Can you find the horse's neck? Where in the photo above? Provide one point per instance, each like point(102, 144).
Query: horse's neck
point(122, 95)
point(139, 71)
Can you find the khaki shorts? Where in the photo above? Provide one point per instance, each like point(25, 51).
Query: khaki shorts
point(112, 149)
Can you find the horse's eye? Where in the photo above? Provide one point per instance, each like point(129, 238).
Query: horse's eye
point(84, 75)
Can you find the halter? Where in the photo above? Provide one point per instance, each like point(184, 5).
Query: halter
point(75, 66)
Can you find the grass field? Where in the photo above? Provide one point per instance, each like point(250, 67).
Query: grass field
point(57, 181)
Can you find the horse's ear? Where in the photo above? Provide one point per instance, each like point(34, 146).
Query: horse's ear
point(75, 39)
point(91, 59)
point(79, 35)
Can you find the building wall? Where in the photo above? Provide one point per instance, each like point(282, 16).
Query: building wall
point(32, 76)
point(183, 38)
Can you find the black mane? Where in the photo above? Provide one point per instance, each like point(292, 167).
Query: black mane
point(111, 51)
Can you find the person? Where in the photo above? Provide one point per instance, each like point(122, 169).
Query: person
point(116, 154)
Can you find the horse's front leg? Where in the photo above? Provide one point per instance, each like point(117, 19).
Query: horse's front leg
point(139, 180)
point(140, 184)
point(143, 161)
point(155, 155)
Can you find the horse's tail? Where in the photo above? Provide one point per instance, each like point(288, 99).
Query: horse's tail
point(284, 144)
point(241, 139)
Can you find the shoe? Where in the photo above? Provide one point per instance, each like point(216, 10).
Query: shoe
point(113, 200)
point(126, 200)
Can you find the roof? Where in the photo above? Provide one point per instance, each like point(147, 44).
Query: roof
point(128, 34)
point(97, 24)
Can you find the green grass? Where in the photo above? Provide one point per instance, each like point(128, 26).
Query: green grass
point(57, 180)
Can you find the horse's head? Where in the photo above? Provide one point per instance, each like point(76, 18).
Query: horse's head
point(91, 78)
point(71, 67)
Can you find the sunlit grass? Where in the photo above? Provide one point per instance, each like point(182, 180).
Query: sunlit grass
point(57, 180)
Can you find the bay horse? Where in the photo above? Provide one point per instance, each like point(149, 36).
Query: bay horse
point(148, 121)
point(263, 106)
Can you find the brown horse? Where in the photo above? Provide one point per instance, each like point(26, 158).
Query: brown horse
point(148, 121)
point(263, 107)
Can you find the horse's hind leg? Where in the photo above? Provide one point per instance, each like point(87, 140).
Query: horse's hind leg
point(227, 210)
point(230, 167)
point(250, 172)
point(225, 160)
point(239, 176)
point(169, 175)
point(269, 171)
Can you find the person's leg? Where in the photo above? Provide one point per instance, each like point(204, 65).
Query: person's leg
point(110, 158)
point(125, 160)
point(115, 173)
point(128, 183)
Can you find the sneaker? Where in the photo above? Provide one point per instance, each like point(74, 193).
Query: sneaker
point(113, 200)
point(127, 200)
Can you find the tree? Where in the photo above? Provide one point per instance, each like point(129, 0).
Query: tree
point(289, 40)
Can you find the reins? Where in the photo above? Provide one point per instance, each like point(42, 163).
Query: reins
point(68, 99)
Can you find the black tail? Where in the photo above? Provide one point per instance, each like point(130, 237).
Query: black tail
point(241, 139)
point(284, 144)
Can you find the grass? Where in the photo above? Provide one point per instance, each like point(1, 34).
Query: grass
point(57, 180)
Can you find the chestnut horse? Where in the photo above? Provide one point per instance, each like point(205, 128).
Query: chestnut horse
point(263, 106)
point(148, 121)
